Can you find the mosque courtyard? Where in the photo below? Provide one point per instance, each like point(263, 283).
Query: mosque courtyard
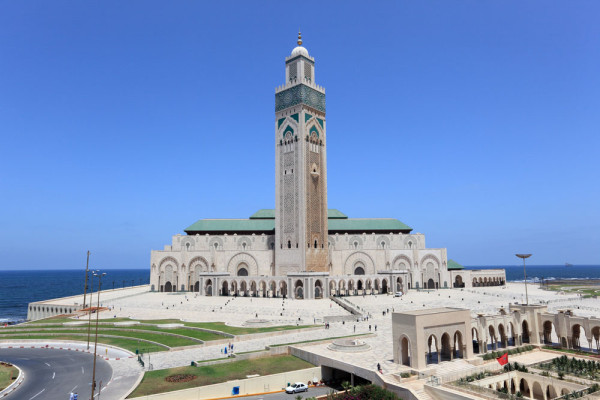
point(374, 323)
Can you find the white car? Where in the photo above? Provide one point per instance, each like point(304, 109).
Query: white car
point(398, 294)
point(296, 387)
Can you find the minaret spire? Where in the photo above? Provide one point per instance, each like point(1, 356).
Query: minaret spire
point(299, 38)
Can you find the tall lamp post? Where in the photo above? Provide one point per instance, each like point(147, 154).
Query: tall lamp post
point(93, 273)
point(96, 341)
point(524, 256)
point(87, 269)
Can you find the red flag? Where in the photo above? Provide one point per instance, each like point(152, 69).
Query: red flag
point(503, 359)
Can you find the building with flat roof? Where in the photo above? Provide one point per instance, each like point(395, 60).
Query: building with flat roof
point(302, 249)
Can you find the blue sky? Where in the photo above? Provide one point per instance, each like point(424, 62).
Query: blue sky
point(474, 122)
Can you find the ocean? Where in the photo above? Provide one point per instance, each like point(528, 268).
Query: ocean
point(19, 288)
point(535, 273)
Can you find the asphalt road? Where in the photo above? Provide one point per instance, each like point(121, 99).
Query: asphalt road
point(312, 392)
point(51, 374)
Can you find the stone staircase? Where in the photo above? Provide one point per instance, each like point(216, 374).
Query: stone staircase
point(422, 394)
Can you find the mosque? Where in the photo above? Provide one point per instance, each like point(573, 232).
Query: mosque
point(303, 249)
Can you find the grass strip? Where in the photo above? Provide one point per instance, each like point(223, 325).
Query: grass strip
point(318, 340)
point(127, 344)
point(7, 375)
point(154, 381)
point(236, 330)
point(171, 341)
point(216, 326)
point(192, 333)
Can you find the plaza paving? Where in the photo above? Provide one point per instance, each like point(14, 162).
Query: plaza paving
point(140, 304)
point(235, 311)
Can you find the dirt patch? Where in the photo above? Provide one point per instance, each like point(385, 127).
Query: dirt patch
point(180, 378)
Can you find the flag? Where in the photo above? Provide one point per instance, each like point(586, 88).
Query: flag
point(503, 359)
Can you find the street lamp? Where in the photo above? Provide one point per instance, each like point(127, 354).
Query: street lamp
point(87, 269)
point(96, 341)
point(524, 256)
point(92, 274)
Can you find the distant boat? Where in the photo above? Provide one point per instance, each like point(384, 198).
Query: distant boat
point(568, 265)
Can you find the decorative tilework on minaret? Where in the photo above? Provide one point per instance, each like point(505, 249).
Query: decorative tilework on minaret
point(301, 169)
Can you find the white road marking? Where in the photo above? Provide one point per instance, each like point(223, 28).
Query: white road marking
point(72, 390)
point(53, 375)
point(38, 394)
point(47, 364)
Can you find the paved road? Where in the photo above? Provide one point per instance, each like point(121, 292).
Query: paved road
point(52, 374)
point(312, 392)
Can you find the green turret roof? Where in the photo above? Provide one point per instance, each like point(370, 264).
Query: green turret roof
point(454, 265)
point(263, 221)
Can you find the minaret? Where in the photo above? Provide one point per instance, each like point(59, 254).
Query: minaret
point(300, 169)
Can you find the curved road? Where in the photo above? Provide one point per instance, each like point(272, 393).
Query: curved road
point(51, 374)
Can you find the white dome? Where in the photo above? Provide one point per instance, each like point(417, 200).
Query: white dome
point(300, 51)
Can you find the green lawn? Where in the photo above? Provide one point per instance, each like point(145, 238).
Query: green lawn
point(154, 381)
point(171, 341)
point(217, 326)
point(193, 333)
point(235, 330)
point(127, 344)
point(7, 375)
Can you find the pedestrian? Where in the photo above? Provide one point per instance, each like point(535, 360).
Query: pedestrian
point(354, 328)
point(375, 328)
point(369, 327)
point(378, 367)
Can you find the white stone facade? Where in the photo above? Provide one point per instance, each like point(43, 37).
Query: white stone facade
point(358, 262)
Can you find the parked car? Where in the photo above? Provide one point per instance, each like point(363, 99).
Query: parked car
point(398, 294)
point(296, 387)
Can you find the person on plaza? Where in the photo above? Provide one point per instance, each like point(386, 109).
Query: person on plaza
point(369, 328)
point(378, 367)
point(375, 328)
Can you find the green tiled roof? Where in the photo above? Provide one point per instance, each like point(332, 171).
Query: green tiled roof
point(332, 213)
point(269, 213)
point(367, 225)
point(232, 225)
point(265, 213)
point(263, 221)
point(454, 265)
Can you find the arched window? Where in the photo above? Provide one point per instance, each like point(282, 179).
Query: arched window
point(187, 246)
point(244, 245)
point(289, 244)
point(355, 245)
point(315, 244)
point(410, 245)
point(383, 245)
point(216, 245)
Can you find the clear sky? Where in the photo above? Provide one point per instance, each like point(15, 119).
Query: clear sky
point(474, 122)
